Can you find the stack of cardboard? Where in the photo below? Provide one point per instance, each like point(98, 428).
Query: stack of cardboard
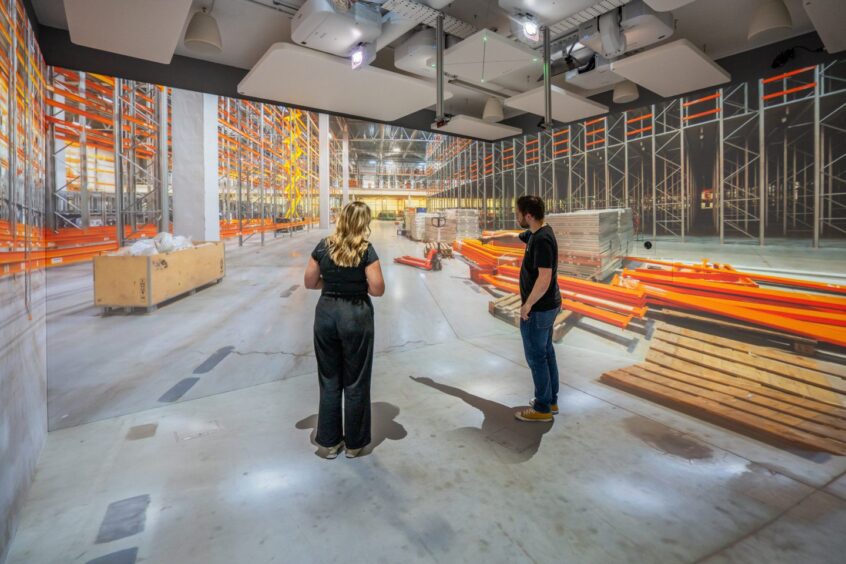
point(440, 228)
point(592, 243)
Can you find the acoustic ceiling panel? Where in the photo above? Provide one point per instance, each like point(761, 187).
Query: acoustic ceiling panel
point(829, 19)
point(148, 30)
point(477, 128)
point(487, 55)
point(566, 106)
point(672, 69)
point(291, 74)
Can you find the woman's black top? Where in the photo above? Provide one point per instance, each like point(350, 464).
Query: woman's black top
point(343, 281)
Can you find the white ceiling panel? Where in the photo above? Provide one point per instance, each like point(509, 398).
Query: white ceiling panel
point(478, 128)
point(291, 74)
point(487, 55)
point(829, 19)
point(566, 106)
point(672, 69)
point(148, 30)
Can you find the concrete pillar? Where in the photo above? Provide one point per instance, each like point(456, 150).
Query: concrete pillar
point(195, 174)
point(323, 138)
point(345, 186)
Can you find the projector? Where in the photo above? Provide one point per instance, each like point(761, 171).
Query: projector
point(321, 25)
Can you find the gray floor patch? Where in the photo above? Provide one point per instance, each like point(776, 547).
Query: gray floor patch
point(178, 390)
point(142, 431)
point(124, 518)
point(287, 293)
point(212, 361)
point(126, 556)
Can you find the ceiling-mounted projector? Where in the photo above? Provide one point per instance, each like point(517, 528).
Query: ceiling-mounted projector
point(322, 25)
point(631, 27)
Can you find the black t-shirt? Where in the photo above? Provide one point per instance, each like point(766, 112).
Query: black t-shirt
point(541, 252)
point(343, 281)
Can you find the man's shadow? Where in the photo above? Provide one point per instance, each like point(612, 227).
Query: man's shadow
point(382, 426)
point(514, 441)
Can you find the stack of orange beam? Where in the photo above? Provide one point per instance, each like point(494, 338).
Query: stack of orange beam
point(610, 304)
point(736, 295)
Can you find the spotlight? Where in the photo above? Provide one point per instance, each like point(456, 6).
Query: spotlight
point(531, 29)
point(203, 34)
point(771, 15)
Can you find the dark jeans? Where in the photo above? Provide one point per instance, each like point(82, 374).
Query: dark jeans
point(540, 355)
point(343, 344)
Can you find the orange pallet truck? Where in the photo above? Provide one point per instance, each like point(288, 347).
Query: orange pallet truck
point(431, 262)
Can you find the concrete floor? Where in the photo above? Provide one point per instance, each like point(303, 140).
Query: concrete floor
point(450, 477)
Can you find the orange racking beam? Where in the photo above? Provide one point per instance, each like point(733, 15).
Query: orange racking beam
point(765, 278)
point(832, 303)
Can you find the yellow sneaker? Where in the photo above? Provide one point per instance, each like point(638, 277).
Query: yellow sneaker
point(553, 408)
point(532, 415)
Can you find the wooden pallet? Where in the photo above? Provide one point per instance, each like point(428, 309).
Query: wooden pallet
point(507, 308)
point(770, 393)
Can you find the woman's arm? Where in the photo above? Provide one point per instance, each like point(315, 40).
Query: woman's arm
point(312, 279)
point(375, 282)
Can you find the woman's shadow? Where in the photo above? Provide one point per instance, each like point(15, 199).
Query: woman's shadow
point(383, 426)
point(514, 441)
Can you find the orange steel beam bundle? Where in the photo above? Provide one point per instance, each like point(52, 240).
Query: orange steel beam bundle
point(763, 278)
point(598, 290)
point(804, 314)
point(729, 308)
point(501, 284)
point(725, 277)
point(616, 319)
point(829, 303)
point(625, 309)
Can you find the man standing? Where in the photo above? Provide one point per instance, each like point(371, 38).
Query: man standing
point(541, 301)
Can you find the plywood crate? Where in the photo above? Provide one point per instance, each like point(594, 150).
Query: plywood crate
point(146, 281)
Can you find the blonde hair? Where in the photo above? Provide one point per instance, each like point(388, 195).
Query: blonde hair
point(349, 242)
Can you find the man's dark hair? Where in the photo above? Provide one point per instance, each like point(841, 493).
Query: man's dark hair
point(531, 205)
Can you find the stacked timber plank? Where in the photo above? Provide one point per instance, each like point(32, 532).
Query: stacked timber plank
point(507, 309)
point(592, 243)
point(770, 393)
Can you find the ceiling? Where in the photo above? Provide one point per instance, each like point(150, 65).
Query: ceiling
point(249, 27)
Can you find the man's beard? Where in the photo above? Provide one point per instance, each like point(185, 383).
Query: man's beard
point(523, 223)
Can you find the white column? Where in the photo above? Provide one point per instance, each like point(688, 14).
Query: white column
point(195, 174)
point(346, 171)
point(323, 134)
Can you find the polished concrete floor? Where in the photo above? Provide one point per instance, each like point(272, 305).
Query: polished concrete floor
point(184, 436)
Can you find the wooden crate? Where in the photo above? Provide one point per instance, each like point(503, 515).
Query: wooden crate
point(766, 392)
point(147, 281)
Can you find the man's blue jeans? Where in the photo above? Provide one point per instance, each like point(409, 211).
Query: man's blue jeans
point(540, 355)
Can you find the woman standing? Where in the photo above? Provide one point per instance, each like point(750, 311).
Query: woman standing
point(346, 269)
